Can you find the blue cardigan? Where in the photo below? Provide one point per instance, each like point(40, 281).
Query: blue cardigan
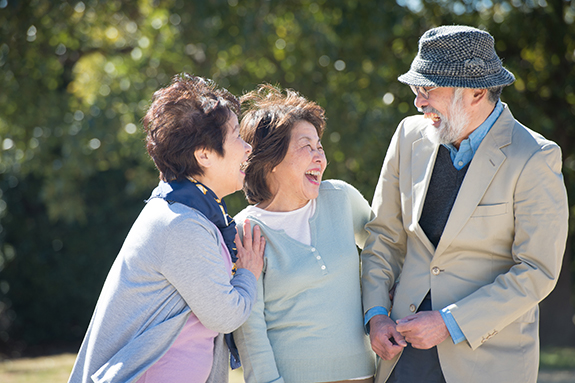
point(170, 266)
point(307, 323)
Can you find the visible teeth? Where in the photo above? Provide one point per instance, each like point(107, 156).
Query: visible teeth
point(314, 173)
point(243, 166)
point(432, 116)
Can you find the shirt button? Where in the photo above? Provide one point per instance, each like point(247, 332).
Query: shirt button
point(318, 257)
point(412, 308)
point(435, 270)
point(323, 267)
point(460, 163)
point(313, 249)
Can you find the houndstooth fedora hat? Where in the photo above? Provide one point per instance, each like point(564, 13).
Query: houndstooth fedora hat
point(457, 56)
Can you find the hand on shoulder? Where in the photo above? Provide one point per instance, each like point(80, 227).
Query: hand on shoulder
point(251, 249)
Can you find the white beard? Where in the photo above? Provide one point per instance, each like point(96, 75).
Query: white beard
point(451, 129)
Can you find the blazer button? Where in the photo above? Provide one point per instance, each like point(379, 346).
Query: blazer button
point(435, 270)
point(412, 308)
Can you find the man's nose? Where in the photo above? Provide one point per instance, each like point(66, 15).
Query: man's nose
point(419, 101)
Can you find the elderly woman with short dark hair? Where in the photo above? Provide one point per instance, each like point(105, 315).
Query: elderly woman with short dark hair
point(307, 323)
point(171, 293)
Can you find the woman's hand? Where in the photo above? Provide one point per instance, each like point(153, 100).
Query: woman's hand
point(251, 251)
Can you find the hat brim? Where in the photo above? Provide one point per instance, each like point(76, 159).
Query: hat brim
point(503, 78)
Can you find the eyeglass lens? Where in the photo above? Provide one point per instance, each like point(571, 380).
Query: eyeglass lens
point(420, 89)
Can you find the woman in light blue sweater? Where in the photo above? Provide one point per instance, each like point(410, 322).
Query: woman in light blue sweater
point(307, 322)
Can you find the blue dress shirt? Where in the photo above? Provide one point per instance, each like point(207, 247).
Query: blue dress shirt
point(460, 159)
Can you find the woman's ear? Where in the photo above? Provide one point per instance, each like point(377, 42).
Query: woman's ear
point(203, 157)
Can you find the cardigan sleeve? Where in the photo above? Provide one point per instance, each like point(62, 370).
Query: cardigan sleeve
point(361, 213)
point(192, 262)
point(256, 353)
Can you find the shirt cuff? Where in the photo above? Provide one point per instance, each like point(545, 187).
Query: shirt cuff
point(452, 326)
point(377, 310)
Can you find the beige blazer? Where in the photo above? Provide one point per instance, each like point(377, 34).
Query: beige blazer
point(500, 253)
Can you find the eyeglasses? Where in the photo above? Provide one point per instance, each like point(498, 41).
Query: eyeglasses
point(422, 90)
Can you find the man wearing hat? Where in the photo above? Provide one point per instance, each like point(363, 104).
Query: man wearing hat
point(470, 227)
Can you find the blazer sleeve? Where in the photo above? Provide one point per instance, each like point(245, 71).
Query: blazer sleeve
point(384, 251)
point(541, 221)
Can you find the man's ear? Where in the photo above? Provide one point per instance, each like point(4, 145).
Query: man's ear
point(478, 95)
point(203, 157)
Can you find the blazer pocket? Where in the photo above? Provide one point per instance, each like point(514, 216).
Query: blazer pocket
point(490, 210)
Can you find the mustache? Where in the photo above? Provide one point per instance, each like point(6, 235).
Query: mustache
point(428, 109)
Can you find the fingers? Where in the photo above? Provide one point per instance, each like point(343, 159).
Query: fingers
point(423, 330)
point(385, 349)
point(247, 235)
point(422, 344)
point(262, 245)
point(385, 340)
point(238, 242)
point(251, 249)
point(399, 339)
point(409, 329)
point(256, 243)
point(406, 324)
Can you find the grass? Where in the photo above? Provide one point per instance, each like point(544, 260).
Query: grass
point(56, 368)
point(46, 369)
point(558, 358)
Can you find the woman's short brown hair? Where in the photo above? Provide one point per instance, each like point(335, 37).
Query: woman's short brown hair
point(267, 125)
point(189, 114)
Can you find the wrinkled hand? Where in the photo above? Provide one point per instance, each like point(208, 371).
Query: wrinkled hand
point(251, 251)
point(424, 329)
point(385, 340)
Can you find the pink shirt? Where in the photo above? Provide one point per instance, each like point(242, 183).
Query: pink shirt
point(189, 359)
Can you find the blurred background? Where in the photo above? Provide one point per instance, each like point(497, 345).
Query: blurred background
point(76, 78)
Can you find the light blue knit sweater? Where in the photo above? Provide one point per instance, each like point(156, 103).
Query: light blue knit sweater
point(307, 324)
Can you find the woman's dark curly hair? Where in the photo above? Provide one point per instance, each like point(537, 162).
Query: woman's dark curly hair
point(267, 125)
point(189, 114)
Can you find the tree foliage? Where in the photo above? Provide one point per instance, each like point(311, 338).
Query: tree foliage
point(77, 76)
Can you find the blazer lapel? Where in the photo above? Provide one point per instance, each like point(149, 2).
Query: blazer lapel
point(485, 164)
point(423, 156)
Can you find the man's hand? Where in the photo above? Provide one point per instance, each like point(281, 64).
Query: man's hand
point(424, 329)
point(385, 340)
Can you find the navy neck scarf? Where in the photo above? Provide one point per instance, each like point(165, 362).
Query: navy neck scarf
point(198, 196)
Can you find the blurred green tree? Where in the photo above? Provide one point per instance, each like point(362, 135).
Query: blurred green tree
point(77, 76)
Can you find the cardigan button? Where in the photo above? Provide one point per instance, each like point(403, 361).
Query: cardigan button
point(435, 270)
point(412, 308)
